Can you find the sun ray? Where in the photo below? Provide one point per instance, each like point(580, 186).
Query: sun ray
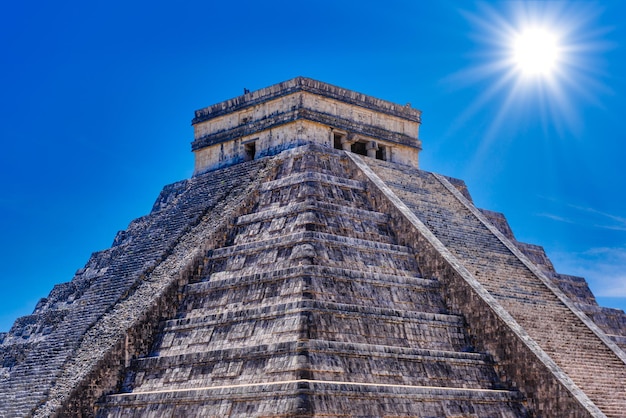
point(535, 58)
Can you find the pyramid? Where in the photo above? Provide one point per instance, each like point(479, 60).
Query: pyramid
point(310, 268)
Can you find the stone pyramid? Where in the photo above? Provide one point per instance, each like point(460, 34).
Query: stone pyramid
point(310, 268)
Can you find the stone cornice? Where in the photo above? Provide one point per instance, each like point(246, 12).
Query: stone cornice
point(311, 86)
point(303, 114)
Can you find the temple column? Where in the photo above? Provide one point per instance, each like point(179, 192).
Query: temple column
point(371, 148)
point(346, 143)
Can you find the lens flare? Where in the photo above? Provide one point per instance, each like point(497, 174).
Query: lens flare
point(536, 51)
point(534, 60)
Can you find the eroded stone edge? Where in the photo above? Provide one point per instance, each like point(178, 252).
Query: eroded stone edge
point(533, 268)
point(110, 334)
point(479, 289)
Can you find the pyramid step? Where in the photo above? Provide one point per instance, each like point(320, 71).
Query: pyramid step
point(308, 217)
point(312, 320)
point(318, 360)
point(330, 162)
point(315, 222)
point(302, 397)
point(313, 205)
point(309, 282)
point(312, 186)
point(406, 279)
point(310, 237)
point(265, 262)
point(312, 346)
point(203, 319)
point(311, 176)
point(311, 248)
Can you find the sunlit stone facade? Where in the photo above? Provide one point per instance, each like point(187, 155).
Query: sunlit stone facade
point(304, 111)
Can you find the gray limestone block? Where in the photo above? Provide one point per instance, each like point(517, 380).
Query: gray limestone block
point(169, 194)
point(499, 221)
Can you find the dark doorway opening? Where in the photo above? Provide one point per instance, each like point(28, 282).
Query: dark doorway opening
point(358, 148)
point(337, 141)
point(381, 153)
point(249, 151)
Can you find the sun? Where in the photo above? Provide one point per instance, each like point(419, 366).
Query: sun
point(535, 62)
point(535, 52)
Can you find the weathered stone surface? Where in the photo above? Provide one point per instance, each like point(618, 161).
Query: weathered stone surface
point(513, 283)
point(303, 111)
point(318, 292)
point(312, 282)
point(611, 321)
point(40, 347)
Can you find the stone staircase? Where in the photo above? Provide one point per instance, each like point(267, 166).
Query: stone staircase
point(312, 309)
point(38, 347)
point(594, 366)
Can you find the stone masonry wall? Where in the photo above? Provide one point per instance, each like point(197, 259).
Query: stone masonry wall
point(277, 117)
point(130, 326)
point(611, 321)
point(492, 327)
point(48, 364)
point(312, 288)
point(76, 345)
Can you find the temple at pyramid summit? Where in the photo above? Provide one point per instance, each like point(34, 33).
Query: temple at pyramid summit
point(310, 268)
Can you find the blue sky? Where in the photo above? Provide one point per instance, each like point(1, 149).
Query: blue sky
point(97, 98)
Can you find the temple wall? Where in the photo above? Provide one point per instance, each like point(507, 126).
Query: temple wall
point(360, 115)
point(247, 115)
point(303, 111)
point(274, 140)
point(303, 100)
point(266, 142)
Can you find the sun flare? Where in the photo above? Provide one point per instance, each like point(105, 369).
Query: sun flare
point(536, 51)
point(533, 61)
